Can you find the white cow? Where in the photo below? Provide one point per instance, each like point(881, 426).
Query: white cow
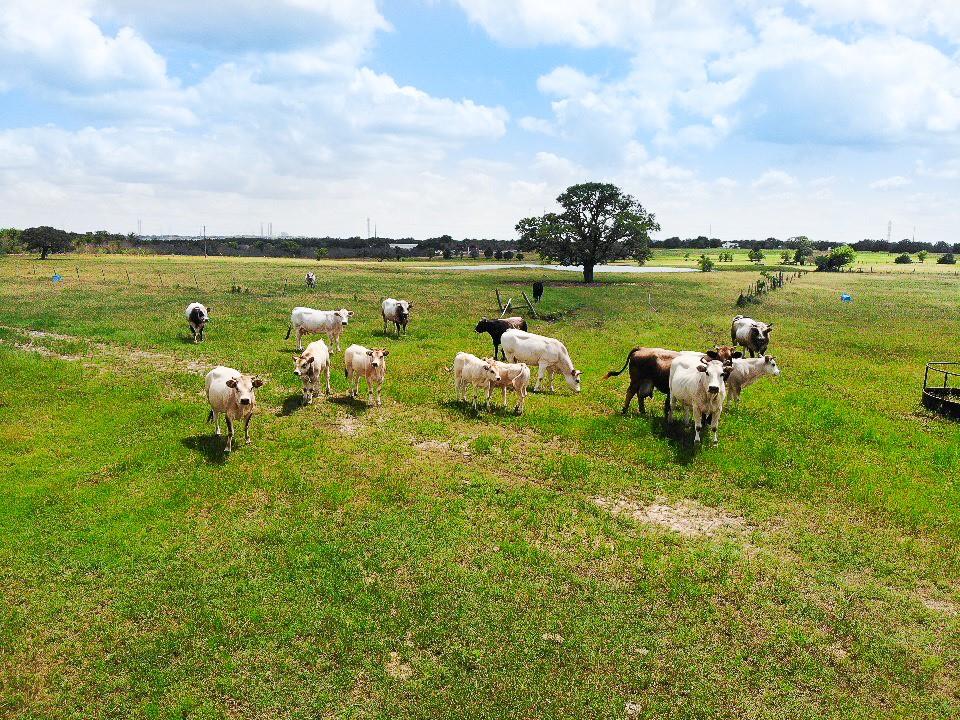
point(311, 280)
point(699, 385)
point(396, 312)
point(198, 315)
point(514, 376)
point(747, 371)
point(751, 334)
point(308, 367)
point(309, 321)
point(231, 394)
point(470, 370)
point(371, 365)
point(548, 354)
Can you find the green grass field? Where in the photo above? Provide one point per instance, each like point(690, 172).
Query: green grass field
point(421, 560)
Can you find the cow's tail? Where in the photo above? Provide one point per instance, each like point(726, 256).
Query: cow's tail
point(289, 330)
point(615, 373)
point(210, 415)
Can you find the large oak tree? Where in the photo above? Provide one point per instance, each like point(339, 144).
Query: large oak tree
point(46, 240)
point(598, 223)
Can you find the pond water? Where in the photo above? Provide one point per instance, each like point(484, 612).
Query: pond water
point(564, 268)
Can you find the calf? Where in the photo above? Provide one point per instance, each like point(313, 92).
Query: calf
point(308, 366)
point(513, 376)
point(370, 365)
point(396, 312)
point(751, 334)
point(537, 291)
point(470, 370)
point(747, 371)
point(198, 316)
point(548, 354)
point(650, 368)
point(311, 280)
point(309, 321)
point(231, 394)
point(497, 327)
point(699, 385)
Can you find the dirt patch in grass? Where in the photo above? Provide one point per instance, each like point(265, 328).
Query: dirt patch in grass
point(688, 517)
point(397, 668)
point(348, 425)
point(937, 603)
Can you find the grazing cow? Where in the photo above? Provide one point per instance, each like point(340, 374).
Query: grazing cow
point(548, 354)
point(371, 365)
point(396, 312)
point(650, 368)
point(513, 376)
point(311, 280)
point(537, 291)
point(308, 366)
point(470, 370)
point(498, 326)
point(752, 334)
point(231, 394)
point(747, 371)
point(198, 315)
point(698, 383)
point(309, 321)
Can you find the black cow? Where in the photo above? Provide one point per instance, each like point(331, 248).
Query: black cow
point(497, 327)
point(537, 291)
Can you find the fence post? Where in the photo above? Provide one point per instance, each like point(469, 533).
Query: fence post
point(161, 278)
point(78, 274)
point(129, 282)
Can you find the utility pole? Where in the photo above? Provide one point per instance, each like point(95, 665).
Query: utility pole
point(368, 228)
point(139, 227)
point(205, 241)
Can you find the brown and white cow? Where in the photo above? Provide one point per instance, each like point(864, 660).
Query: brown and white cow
point(370, 365)
point(650, 369)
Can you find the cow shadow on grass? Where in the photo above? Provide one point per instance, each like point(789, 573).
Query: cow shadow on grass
point(356, 405)
point(210, 446)
point(290, 405)
point(678, 436)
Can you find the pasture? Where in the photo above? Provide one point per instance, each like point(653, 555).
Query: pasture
point(424, 560)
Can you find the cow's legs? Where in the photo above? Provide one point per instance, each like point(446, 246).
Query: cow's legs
point(328, 377)
point(631, 391)
point(542, 370)
point(369, 391)
point(246, 428)
point(521, 396)
point(504, 388)
point(229, 447)
point(550, 378)
point(715, 427)
point(698, 425)
point(300, 339)
point(216, 419)
point(489, 393)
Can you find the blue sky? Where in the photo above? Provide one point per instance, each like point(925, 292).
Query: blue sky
point(820, 117)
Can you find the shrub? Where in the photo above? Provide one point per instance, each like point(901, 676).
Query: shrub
point(835, 259)
point(903, 259)
point(947, 259)
point(705, 263)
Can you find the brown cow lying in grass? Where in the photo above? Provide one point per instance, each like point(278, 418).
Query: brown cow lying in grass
point(650, 368)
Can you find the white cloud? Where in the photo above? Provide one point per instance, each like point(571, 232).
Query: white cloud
point(894, 182)
point(774, 180)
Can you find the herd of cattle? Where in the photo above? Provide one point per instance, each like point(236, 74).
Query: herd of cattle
point(700, 382)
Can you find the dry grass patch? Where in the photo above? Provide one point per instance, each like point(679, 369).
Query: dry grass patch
point(688, 517)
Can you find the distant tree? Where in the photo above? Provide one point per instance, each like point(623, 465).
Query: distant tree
point(947, 259)
point(598, 223)
point(322, 253)
point(835, 258)
point(786, 257)
point(46, 240)
point(488, 253)
point(756, 255)
point(804, 250)
point(903, 259)
point(520, 256)
point(705, 263)
point(923, 255)
point(508, 254)
point(474, 252)
point(498, 254)
point(446, 253)
point(10, 240)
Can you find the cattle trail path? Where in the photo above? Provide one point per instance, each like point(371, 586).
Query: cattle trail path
point(688, 517)
point(101, 355)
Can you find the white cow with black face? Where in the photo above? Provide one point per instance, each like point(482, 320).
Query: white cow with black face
point(751, 334)
point(396, 312)
point(699, 385)
point(198, 315)
point(231, 394)
point(311, 280)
